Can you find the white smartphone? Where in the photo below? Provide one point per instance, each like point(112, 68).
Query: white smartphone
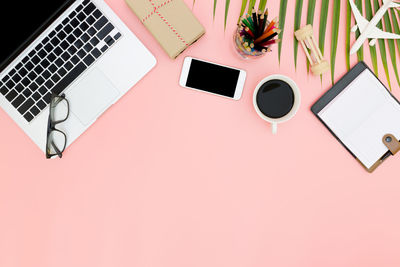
point(212, 78)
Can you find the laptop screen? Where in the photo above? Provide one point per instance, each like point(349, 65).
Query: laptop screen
point(21, 20)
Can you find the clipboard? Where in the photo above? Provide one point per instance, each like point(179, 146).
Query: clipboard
point(329, 106)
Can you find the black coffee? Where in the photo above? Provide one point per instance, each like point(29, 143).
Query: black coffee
point(275, 99)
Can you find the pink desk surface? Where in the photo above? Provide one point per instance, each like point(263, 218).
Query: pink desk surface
point(169, 177)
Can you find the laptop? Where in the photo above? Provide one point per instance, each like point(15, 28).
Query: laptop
point(79, 48)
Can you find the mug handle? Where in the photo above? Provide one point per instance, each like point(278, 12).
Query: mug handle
point(274, 127)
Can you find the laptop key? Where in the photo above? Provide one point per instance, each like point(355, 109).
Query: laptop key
point(105, 31)
point(28, 117)
point(65, 21)
point(58, 51)
point(74, 23)
point(104, 48)
point(34, 111)
point(41, 104)
point(43, 90)
point(39, 80)
point(38, 69)
point(69, 78)
point(81, 16)
point(29, 66)
point(96, 53)
point(35, 60)
point(16, 78)
point(47, 98)
point(10, 84)
point(32, 75)
point(88, 47)
point(94, 41)
point(79, 8)
point(55, 41)
point(84, 26)
point(53, 68)
point(68, 65)
point(61, 35)
point(5, 78)
point(22, 72)
point(100, 23)
point(75, 60)
point(71, 38)
point(72, 50)
point(49, 84)
point(19, 88)
point(3, 90)
point(68, 29)
point(12, 72)
point(109, 41)
point(36, 96)
point(62, 72)
point(89, 8)
point(18, 101)
point(117, 36)
point(26, 82)
point(55, 78)
point(46, 74)
point(27, 92)
point(90, 20)
point(33, 87)
point(85, 37)
point(25, 106)
point(11, 95)
point(97, 14)
point(45, 63)
point(78, 44)
point(88, 60)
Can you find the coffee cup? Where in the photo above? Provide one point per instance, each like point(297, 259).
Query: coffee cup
point(276, 99)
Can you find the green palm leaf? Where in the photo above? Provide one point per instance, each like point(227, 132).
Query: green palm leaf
point(242, 9)
point(322, 24)
point(311, 11)
point(396, 27)
point(227, 2)
point(310, 20)
point(335, 32)
point(348, 27)
point(382, 47)
point(391, 45)
point(252, 3)
point(360, 52)
point(372, 49)
point(282, 17)
point(215, 7)
point(261, 5)
point(297, 21)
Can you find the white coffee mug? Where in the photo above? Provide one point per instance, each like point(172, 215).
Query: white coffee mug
point(296, 93)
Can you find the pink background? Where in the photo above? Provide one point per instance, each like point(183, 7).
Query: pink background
point(174, 177)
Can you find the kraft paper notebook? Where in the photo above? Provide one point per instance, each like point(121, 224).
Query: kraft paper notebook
point(363, 115)
point(171, 23)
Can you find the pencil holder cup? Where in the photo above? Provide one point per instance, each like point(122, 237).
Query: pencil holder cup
point(242, 50)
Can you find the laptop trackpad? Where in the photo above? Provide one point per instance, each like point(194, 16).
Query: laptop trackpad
point(91, 96)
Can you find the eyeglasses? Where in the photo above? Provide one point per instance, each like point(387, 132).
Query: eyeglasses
point(56, 139)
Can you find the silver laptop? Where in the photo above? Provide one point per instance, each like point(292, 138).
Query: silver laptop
point(79, 48)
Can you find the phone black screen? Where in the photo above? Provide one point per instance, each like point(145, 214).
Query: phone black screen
point(212, 78)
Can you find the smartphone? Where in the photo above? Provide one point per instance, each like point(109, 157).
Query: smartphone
point(212, 78)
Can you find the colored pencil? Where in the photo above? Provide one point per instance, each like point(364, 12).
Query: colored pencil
point(267, 34)
point(256, 34)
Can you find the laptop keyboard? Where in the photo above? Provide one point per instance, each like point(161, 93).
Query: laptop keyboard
point(58, 60)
